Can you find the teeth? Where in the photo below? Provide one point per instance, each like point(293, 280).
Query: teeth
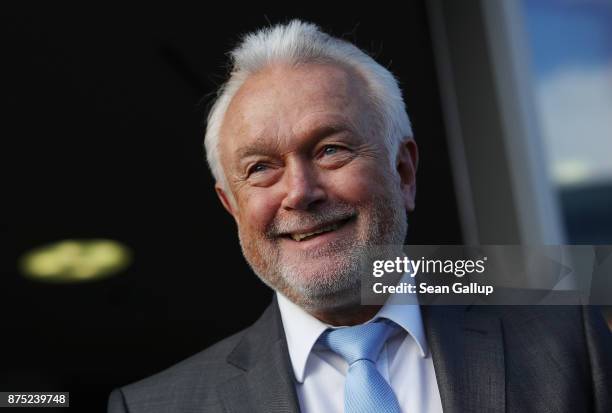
point(299, 237)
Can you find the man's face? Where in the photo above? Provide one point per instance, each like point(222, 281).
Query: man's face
point(311, 181)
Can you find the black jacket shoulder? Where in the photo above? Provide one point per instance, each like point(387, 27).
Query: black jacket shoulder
point(192, 380)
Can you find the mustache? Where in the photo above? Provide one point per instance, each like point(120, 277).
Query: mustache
point(300, 220)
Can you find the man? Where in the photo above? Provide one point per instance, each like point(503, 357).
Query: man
point(313, 156)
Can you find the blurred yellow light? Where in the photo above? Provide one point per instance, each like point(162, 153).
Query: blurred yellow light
point(75, 260)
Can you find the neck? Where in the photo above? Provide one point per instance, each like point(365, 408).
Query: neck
point(347, 316)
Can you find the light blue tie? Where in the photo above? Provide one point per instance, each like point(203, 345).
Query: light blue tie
point(365, 391)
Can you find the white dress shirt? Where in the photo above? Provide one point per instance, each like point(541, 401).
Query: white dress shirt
point(320, 373)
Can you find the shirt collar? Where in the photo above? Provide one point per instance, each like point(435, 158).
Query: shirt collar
point(407, 316)
point(302, 330)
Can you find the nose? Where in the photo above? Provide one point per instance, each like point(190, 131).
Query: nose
point(303, 186)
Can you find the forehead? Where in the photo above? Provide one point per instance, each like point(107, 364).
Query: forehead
point(285, 101)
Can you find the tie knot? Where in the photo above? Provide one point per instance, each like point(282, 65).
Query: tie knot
point(361, 342)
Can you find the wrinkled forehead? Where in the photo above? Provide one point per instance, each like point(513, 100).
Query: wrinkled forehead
point(286, 101)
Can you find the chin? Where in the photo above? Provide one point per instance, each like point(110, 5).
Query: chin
point(326, 301)
point(323, 284)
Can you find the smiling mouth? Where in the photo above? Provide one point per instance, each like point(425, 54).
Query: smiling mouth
point(322, 230)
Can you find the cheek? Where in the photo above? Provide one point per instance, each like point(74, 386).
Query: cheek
point(257, 210)
point(358, 184)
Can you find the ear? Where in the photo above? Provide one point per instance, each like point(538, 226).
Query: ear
point(406, 164)
point(225, 199)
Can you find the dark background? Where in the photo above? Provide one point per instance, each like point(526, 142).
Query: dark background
point(104, 134)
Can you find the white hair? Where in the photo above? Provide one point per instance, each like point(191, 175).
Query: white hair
point(295, 43)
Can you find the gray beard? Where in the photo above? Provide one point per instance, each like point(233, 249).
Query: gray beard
point(340, 286)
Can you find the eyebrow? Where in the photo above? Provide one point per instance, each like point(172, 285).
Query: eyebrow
point(257, 148)
point(318, 133)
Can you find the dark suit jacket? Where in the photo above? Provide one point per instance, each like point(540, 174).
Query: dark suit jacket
point(487, 359)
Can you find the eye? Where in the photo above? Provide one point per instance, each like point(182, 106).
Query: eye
point(258, 167)
point(331, 150)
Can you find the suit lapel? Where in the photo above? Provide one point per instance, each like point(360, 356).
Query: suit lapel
point(267, 384)
point(466, 344)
